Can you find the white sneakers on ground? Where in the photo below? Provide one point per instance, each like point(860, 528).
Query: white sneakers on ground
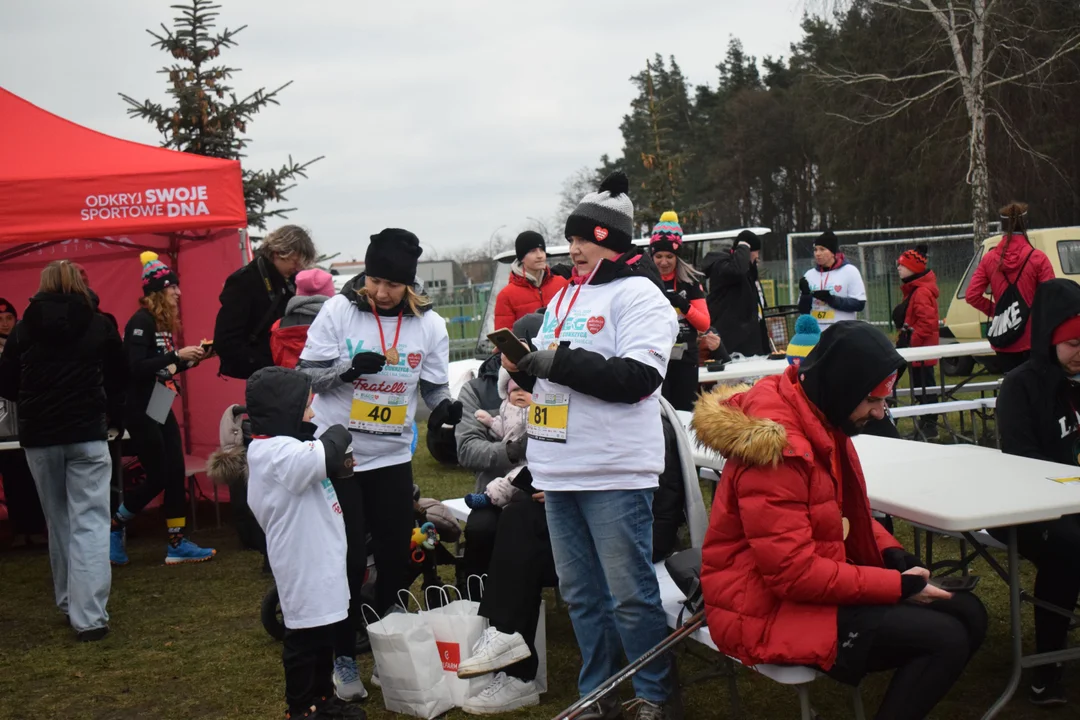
point(505, 693)
point(493, 651)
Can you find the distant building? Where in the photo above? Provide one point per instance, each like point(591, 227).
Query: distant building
point(348, 267)
point(479, 272)
point(439, 276)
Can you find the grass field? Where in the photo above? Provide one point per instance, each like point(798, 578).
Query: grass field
point(186, 643)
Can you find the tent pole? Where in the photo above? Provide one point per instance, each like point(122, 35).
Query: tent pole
point(174, 250)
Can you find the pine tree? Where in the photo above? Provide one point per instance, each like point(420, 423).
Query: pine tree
point(207, 117)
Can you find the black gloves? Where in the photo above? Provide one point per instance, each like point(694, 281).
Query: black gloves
point(804, 286)
point(445, 413)
point(679, 302)
point(538, 363)
point(822, 295)
point(899, 559)
point(363, 363)
point(515, 449)
point(339, 462)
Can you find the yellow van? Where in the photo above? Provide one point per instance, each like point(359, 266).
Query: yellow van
point(964, 323)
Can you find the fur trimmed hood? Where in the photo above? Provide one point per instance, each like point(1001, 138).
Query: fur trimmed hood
point(227, 465)
point(721, 423)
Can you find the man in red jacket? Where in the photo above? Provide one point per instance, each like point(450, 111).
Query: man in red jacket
point(795, 571)
point(532, 284)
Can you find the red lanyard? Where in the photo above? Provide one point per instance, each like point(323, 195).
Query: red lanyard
point(558, 328)
point(397, 332)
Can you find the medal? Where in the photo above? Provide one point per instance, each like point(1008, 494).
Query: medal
point(390, 353)
point(553, 346)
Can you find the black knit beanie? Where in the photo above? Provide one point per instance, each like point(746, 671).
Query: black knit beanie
point(605, 217)
point(6, 307)
point(828, 241)
point(392, 255)
point(527, 242)
point(750, 238)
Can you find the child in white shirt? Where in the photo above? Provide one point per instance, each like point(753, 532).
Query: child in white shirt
point(292, 498)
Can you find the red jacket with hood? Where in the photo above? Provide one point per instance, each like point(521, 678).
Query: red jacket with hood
point(522, 295)
point(921, 293)
point(775, 565)
point(988, 274)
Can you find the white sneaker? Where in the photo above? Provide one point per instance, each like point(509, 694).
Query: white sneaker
point(505, 693)
point(375, 677)
point(347, 683)
point(494, 650)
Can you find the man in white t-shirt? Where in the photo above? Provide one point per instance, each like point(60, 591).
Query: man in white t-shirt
point(291, 496)
point(832, 290)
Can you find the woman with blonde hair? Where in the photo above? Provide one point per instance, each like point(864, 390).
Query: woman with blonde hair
point(64, 365)
point(255, 297)
point(155, 361)
point(372, 352)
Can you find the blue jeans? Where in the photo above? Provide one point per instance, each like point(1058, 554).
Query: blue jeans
point(73, 483)
point(602, 543)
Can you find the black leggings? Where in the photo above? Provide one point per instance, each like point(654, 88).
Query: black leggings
point(480, 530)
point(521, 567)
point(161, 454)
point(380, 502)
point(929, 646)
point(308, 658)
point(1054, 549)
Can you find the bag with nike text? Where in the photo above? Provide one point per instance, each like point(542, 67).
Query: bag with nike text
point(1011, 313)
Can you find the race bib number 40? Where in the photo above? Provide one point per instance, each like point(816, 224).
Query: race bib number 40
point(548, 415)
point(378, 413)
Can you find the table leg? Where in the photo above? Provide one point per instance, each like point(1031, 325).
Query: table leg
point(1014, 623)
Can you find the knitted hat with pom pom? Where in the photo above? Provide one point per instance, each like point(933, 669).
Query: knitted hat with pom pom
point(605, 217)
point(666, 234)
point(156, 275)
point(807, 334)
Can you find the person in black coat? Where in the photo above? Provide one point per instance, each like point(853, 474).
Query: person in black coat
point(254, 298)
point(64, 365)
point(1037, 418)
point(735, 300)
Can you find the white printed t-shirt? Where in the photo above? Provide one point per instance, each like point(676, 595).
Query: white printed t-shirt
point(296, 506)
point(340, 331)
point(844, 281)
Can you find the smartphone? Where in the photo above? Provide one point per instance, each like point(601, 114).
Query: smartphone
point(956, 583)
point(207, 346)
point(513, 348)
point(523, 482)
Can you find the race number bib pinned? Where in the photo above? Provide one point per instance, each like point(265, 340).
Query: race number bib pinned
point(378, 413)
point(547, 417)
point(821, 311)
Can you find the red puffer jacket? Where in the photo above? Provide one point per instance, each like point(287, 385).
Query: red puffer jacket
point(921, 294)
point(521, 296)
point(775, 565)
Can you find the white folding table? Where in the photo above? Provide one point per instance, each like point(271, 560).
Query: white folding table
point(964, 489)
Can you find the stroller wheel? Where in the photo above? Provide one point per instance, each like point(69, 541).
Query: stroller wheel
point(271, 616)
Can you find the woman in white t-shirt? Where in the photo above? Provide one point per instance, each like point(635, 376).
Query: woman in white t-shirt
point(373, 352)
point(832, 290)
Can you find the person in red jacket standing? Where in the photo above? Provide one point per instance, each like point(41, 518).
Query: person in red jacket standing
point(1012, 271)
point(532, 284)
point(917, 320)
point(795, 570)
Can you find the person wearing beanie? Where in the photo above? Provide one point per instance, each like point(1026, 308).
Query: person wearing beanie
point(64, 365)
point(736, 302)
point(374, 352)
point(807, 334)
point(255, 296)
point(596, 442)
point(1036, 416)
point(289, 334)
point(531, 285)
point(820, 581)
point(916, 319)
point(8, 317)
point(833, 289)
point(154, 364)
point(683, 289)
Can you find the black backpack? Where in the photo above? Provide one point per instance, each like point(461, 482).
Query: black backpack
point(1011, 312)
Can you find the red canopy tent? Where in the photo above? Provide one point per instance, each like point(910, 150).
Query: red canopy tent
point(68, 192)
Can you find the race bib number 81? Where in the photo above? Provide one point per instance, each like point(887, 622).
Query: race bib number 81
point(548, 415)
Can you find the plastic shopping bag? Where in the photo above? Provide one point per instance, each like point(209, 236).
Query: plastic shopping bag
point(457, 627)
point(412, 677)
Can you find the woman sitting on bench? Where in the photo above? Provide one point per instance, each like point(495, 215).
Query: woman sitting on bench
point(795, 571)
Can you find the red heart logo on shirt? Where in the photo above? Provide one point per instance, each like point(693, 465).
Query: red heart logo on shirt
point(837, 287)
point(595, 324)
point(600, 233)
point(414, 359)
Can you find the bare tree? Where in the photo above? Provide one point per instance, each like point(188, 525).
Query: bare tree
point(583, 181)
point(987, 43)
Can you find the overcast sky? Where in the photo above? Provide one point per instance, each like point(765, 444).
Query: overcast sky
point(450, 118)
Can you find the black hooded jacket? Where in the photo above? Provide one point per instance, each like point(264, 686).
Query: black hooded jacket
point(613, 379)
point(253, 298)
point(733, 300)
point(64, 365)
point(851, 359)
point(1037, 410)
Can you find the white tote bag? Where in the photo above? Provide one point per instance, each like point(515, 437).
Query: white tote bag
point(412, 677)
point(457, 627)
point(540, 643)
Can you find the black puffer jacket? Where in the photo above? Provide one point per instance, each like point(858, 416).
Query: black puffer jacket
point(733, 300)
point(64, 365)
point(254, 297)
point(1038, 406)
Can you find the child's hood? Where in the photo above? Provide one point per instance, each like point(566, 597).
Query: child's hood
point(276, 400)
